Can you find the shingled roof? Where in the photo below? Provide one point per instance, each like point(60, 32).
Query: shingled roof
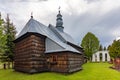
point(33, 26)
point(56, 39)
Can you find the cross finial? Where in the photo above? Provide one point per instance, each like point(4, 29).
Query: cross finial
point(59, 9)
point(0, 15)
point(31, 14)
point(7, 16)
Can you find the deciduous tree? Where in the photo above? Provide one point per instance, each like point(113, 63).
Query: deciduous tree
point(90, 44)
point(114, 49)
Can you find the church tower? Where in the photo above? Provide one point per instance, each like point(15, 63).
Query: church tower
point(59, 21)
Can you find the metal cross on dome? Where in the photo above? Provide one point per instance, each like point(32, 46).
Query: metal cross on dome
point(31, 14)
point(59, 9)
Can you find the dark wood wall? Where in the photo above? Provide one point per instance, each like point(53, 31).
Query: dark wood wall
point(29, 54)
point(57, 62)
point(64, 62)
point(75, 62)
point(30, 57)
point(80, 49)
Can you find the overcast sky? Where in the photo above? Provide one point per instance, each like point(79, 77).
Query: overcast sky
point(101, 17)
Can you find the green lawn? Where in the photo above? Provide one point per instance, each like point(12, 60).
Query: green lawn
point(91, 71)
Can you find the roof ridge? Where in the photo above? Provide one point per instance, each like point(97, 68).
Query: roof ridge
point(56, 32)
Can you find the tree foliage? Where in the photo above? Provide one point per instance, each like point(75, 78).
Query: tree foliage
point(100, 48)
point(105, 48)
point(10, 32)
point(2, 36)
point(114, 49)
point(7, 35)
point(90, 44)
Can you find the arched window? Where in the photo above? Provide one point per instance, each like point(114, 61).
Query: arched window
point(95, 57)
point(100, 56)
point(105, 56)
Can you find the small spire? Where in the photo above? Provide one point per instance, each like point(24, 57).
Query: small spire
point(59, 21)
point(31, 14)
point(8, 17)
point(59, 9)
point(0, 15)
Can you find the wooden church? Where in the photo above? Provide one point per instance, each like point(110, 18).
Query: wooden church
point(39, 48)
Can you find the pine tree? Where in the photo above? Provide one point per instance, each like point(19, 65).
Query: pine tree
point(100, 48)
point(10, 33)
point(90, 44)
point(2, 37)
point(105, 48)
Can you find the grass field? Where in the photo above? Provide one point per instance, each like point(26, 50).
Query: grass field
point(91, 71)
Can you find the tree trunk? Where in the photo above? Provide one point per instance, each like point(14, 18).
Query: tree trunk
point(90, 59)
point(8, 64)
point(4, 65)
point(12, 65)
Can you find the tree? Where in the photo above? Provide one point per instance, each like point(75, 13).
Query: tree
point(90, 44)
point(108, 47)
point(105, 48)
point(2, 37)
point(114, 49)
point(10, 33)
point(100, 48)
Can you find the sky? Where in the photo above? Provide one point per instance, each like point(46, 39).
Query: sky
point(101, 17)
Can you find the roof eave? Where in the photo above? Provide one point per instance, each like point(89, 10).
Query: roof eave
point(26, 35)
point(49, 52)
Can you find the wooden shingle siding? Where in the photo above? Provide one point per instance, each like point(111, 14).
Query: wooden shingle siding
point(30, 57)
point(75, 62)
point(57, 62)
point(64, 62)
point(29, 54)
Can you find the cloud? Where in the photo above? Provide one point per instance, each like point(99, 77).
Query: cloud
point(106, 27)
point(100, 17)
point(91, 1)
point(21, 1)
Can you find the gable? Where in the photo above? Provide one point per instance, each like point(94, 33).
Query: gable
point(52, 46)
point(33, 26)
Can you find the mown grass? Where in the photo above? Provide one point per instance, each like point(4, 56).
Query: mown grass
point(91, 71)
